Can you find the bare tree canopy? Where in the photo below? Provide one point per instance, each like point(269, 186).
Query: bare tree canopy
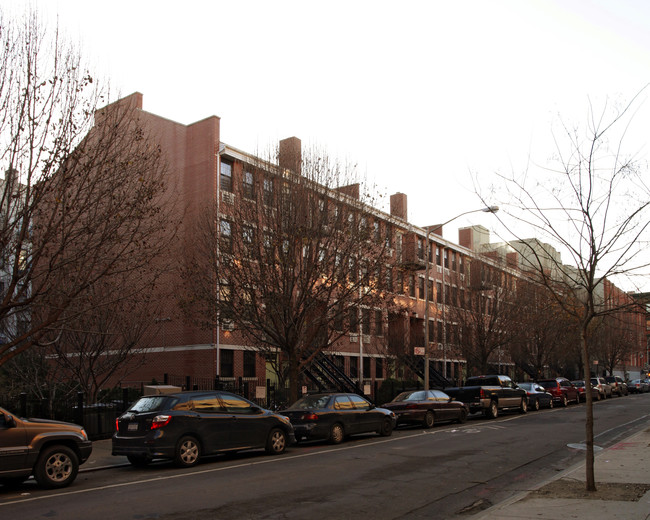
point(299, 260)
point(594, 205)
point(81, 198)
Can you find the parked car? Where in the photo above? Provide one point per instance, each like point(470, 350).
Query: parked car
point(561, 389)
point(638, 386)
point(185, 426)
point(619, 387)
point(604, 389)
point(50, 450)
point(538, 397)
point(581, 386)
point(490, 394)
point(334, 416)
point(426, 407)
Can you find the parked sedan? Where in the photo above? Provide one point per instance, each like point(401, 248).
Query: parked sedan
point(332, 417)
point(187, 425)
point(561, 389)
point(538, 397)
point(604, 389)
point(581, 386)
point(638, 386)
point(426, 407)
point(619, 387)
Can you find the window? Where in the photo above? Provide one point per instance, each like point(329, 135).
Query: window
point(226, 236)
point(379, 368)
point(354, 367)
point(365, 321)
point(236, 404)
point(453, 261)
point(421, 287)
point(420, 249)
point(389, 235)
point(359, 402)
point(268, 192)
point(354, 320)
point(226, 176)
point(439, 292)
point(432, 331)
point(247, 235)
point(461, 265)
point(430, 290)
point(248, 185)
point(341, 402)
point(207, 403)
point(376, 231)
point(389, 279)
point(439, 332)
point(446, 258)
point(227, 364)
point(379, 323)
point(366, 368)
point(438, 256)
point(412, 286)
point(249, 363)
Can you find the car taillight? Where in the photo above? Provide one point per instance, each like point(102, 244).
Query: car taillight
point(482, 393)
point(311, 416)
point(160, 420)
point(117, 424)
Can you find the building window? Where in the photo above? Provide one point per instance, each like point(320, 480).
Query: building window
point(438, 256)
point(432, 331)
point(421, 287)
point(439, 292)
point(248, 185)
point(439, 332)
point(353, 315)
point(453, 261)
point(227, 364)
point(400, 282)
point(247, 236)
point(226, 176)
point(268, 192)
point(412, 286)
point(420, 248)
point(365, 321)
point(354, 367)
point(389, 279)
point(379, 323)
point(430, 290)
point(226, 236)
point(366, 368)
point(376, 231)
point(249, 363)
point(461, 265)
point(379, 368)
point(389, 235)
point(446, 258)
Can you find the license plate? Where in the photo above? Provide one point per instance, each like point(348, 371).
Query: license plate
point(133, 427)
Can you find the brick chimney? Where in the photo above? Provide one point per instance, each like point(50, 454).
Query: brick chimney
point(290, 154)
point(398, 206)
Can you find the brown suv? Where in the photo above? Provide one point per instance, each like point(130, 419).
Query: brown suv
point(50, 450)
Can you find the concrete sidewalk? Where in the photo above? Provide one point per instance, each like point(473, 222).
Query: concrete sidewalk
point(623, 489)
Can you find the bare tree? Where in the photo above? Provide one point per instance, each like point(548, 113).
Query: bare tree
point(299, 260)
point(81, 201)
point(615, 338)
point(594, 205)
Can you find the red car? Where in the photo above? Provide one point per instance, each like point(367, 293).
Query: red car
point(561, 389)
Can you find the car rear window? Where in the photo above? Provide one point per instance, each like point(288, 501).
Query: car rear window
point(548, 384)
point(152, 403)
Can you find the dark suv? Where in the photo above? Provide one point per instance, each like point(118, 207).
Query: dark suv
point(186, 425)
point(561, 389)
point(50, 450)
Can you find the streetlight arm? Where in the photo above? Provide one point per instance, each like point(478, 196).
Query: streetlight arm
point(488, 209)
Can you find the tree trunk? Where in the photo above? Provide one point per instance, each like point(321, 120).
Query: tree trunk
point(293, 379)
point(589, 422)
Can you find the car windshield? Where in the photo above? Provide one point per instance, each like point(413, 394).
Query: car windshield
point(411, 396)
point(578, 383)
point(148, 404)
point(526, 386)
point(311, 402)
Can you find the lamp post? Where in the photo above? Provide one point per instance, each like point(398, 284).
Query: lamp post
point(487, 209)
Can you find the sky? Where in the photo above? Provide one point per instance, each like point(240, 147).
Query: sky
point(428, 98)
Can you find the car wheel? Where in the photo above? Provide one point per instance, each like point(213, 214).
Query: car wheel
point(565, 401)
point(463, 416)
point(139, 461)
point(56, 467)
point(277, 442)
point(523, 406)
point(550, 404)
point(492, 411)
point(336, 433)
point(386, 427)
point(188, 452)
point(536, 405)
point(429, 420)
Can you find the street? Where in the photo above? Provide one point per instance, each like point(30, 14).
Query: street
point(450, 471)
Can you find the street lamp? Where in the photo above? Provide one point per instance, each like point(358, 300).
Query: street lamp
point(487, 209)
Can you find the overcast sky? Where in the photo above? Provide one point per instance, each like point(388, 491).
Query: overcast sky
point(417, 93)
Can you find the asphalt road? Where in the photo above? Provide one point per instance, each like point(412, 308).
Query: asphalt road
point(450, 471)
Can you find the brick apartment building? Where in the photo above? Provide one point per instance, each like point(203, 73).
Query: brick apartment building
point(204, 169)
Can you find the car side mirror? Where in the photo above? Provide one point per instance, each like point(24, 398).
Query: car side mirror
point(9, 421)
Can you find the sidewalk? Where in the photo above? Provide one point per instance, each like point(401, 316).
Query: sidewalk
point(622, 482)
